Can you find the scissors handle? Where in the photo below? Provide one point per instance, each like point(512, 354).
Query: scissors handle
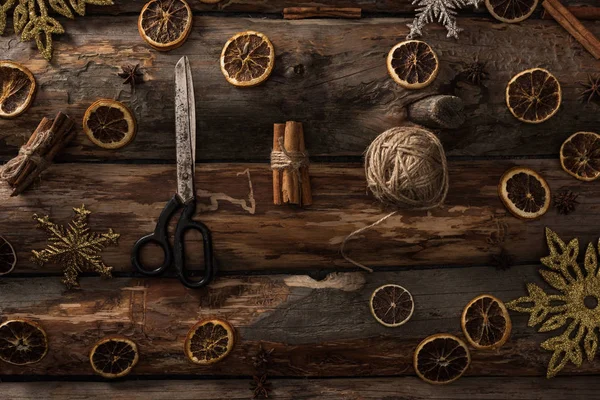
point(159, 237)
point(186, 223)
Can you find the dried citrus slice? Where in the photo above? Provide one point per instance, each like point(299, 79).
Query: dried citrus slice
point(165, 24)
point(17, 89)
point(392, 305)
point(485, 322)
point(209, 341)
point(533, 95)
point(511, 10)
point(441, 359)
point(412, 64)
point(524, 193)
point(114, 357)
point(247, 59)
point(22, 342)
point(8, 257)
point(109, 124)
point(580, 156)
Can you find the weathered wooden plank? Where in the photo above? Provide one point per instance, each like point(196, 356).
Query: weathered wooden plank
point(465, 231)
point(277, 6)
point(584, 387)
point(316, 328)
point(330, 75)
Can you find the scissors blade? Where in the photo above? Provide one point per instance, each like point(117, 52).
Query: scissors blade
point(185, 130)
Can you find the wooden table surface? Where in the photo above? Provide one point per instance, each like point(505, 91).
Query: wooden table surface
point(329, 74)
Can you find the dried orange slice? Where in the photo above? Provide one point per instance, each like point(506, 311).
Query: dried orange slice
point(511, 10)
point(165, 24)
point(247, 59)
point(412, 64)
point(486, 323)
point(114, 357)
point(109, 124)
point(524, 193)
point(209, 341)
point(17, 89)
point(392, 305)
point(533, 96)
point(580, 156)
point(8, 257)
point(441, 359)
point(22, 342)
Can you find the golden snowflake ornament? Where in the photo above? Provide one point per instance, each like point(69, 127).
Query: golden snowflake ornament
point(31, 19)
point(74, 247)
point(574, 306)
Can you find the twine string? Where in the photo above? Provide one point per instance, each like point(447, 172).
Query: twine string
point(27, 152)
point(285, 159)
point(405, 167)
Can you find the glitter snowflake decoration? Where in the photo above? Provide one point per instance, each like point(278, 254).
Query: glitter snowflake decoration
point(574, 306)
point(32, 21)
point(444, 11)
point(74, 247)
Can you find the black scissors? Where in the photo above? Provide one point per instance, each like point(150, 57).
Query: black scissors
point(185, 134)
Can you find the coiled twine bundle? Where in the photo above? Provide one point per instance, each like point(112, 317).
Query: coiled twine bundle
point(406, 167)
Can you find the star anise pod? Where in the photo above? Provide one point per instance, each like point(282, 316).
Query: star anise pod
point(565, 201)
point(591, 89)
point(262, 357)
point(502, 261)
point(132, 75)
point(260, 386)
point(475, 72)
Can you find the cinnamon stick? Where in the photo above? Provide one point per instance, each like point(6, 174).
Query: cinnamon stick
point(44, 125)
point(572, 25)
point(321, 12)
point(59, 135)
point(580, 12)
point(278, 133)
point(291, 183)
point(304, 175)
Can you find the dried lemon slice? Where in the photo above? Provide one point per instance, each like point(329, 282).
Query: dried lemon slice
point(165, 24)
point(114, 357)
point(524, 193)
point(8, 257)
point(533, 96)
point(109, 124)
point(392, 305)
point(22, 342)
point(486, 323)
point(580, 156)
point(209, 341)
point(17, 88)
point(511, 10)
point(247, 59)
point(412, 64)
point(441, 359)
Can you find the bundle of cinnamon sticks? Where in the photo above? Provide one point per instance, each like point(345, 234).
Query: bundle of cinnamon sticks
point(49, 138)
point(289, 162)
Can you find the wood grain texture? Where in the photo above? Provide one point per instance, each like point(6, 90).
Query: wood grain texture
point(467, 230)
point(316, 328)
point(317, 80)
point(277, 6)
point(584, 387)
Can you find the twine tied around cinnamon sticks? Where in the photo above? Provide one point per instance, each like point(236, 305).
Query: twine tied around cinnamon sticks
point(28, 152)
point(289, 162)
point(49, 138)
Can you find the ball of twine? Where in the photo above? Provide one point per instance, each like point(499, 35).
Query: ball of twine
point(406, 167)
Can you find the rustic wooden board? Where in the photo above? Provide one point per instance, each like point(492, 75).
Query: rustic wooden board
point(276, 6)
point(323, 389)
point(329, 74)
point(466, 231)
point(316, 328)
